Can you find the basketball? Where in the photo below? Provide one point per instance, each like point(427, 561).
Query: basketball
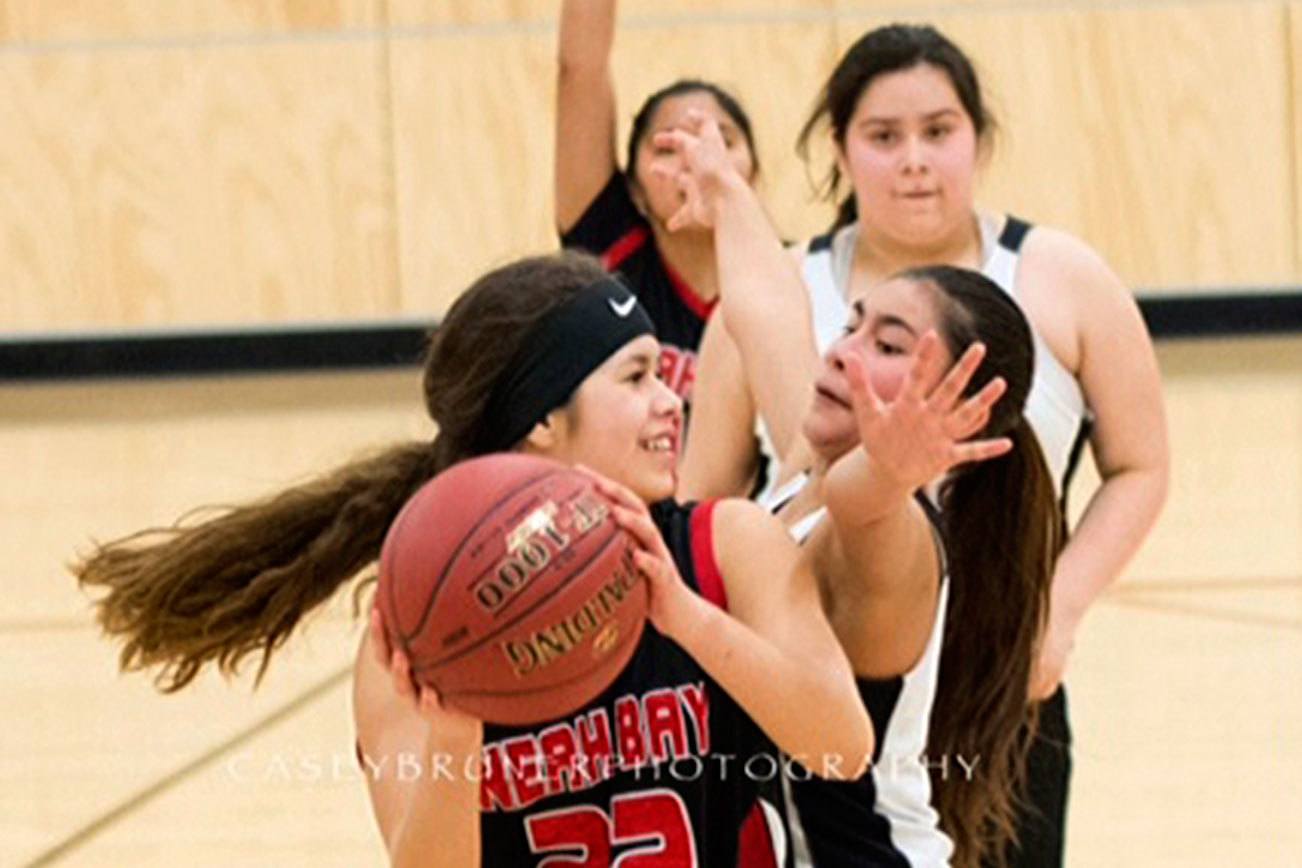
point(511, 589)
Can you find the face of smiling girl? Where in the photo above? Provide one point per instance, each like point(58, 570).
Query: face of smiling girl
point(623, 422)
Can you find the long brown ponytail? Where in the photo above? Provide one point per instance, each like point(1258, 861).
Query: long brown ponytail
point(238, 582)
point(1003, 532)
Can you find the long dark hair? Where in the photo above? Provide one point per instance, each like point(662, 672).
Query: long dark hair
point(892, 48)
point(1003, 532)
point(237, 583)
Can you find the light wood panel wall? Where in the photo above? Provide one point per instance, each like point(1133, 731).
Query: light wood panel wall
point(55, 21)
point(1140, 145)
point(273, 160)
point(1295, 111)
point(227, 183)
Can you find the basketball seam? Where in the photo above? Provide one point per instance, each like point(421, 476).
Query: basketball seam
point(465, 540)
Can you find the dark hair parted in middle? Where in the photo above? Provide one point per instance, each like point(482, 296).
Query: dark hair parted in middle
point(893, 48)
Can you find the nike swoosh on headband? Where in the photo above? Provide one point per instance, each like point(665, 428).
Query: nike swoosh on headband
point(624, 308)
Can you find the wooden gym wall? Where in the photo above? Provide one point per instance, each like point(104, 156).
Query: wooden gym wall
point(219, 162)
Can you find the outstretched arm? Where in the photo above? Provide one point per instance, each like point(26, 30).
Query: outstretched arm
point(764, 304)
point(906, 444)
point(719, 456)
point(585, 107)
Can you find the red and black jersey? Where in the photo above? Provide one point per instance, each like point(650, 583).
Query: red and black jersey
point(663, 768)
point(613, 229)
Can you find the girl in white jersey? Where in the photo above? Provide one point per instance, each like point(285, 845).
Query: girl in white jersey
point(942, 654)
point(909, 126)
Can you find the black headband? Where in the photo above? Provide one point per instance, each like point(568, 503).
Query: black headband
point(557, 355)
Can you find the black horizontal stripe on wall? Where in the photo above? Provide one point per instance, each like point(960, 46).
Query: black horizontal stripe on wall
point(386, 344)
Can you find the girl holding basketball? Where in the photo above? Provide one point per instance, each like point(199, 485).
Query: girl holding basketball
point(621, 215)
point(549, 356)
point(910, 129)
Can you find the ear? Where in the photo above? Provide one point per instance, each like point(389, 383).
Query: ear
point(546, 436)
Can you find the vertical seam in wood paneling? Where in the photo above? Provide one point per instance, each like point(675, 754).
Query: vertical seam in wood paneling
point(387, 136)
point(1292, 130)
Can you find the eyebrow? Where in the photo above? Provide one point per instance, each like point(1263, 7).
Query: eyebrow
point(885, 320)
point(642, 359)
point(891, 119)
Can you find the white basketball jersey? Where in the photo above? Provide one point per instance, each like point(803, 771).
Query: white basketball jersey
point(1055, 407)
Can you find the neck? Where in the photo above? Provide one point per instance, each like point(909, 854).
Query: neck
point(691, 255)
point(881, 255)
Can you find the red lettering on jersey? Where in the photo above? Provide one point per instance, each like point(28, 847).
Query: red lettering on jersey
point(678, 370)
point(582, 828)
point(524, 763)
point(595, 744)
point(494, 787)
point(659, 818)
point(629, 738)
point(697, 702)
point(561, 754)
point(665, 729)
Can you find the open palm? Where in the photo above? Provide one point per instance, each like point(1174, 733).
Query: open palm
point(924, 432)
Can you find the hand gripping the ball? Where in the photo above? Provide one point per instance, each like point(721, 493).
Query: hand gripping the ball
point(422, 699)
point(672, 608)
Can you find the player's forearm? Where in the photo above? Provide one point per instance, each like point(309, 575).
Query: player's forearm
point(1119, 516)
point(587, 34)
point(778, 687)
point(441, 824)
point(765, 309)
point(859, 492)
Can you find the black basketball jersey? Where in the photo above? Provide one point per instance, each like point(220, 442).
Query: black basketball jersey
point(613, 229)
point(660, 769)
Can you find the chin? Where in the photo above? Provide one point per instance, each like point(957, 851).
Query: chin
point(654, 487)
point(829, 443)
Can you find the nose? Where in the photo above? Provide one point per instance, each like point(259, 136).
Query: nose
point(835, 356)
point(914, 155)
point(666, 401)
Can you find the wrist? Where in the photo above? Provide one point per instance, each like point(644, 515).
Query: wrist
point(690, 620)
point(725, 190)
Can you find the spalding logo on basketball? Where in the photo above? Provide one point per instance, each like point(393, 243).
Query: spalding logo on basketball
point(511, 589)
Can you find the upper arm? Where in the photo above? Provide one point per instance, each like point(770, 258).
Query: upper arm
point(719, 455)
point(771, 585)
point(1118, 370)
point(585, 107)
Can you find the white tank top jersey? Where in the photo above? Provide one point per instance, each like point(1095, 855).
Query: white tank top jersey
point(888, 814)
point(1055, 407)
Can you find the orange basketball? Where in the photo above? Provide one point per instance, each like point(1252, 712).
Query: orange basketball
point(511, 589)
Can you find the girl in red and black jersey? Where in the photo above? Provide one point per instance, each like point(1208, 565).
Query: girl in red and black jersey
point(621, 216)
point(738, 664)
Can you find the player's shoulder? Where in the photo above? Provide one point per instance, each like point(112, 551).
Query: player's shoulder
point(1058, 255)
point(744, 529)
